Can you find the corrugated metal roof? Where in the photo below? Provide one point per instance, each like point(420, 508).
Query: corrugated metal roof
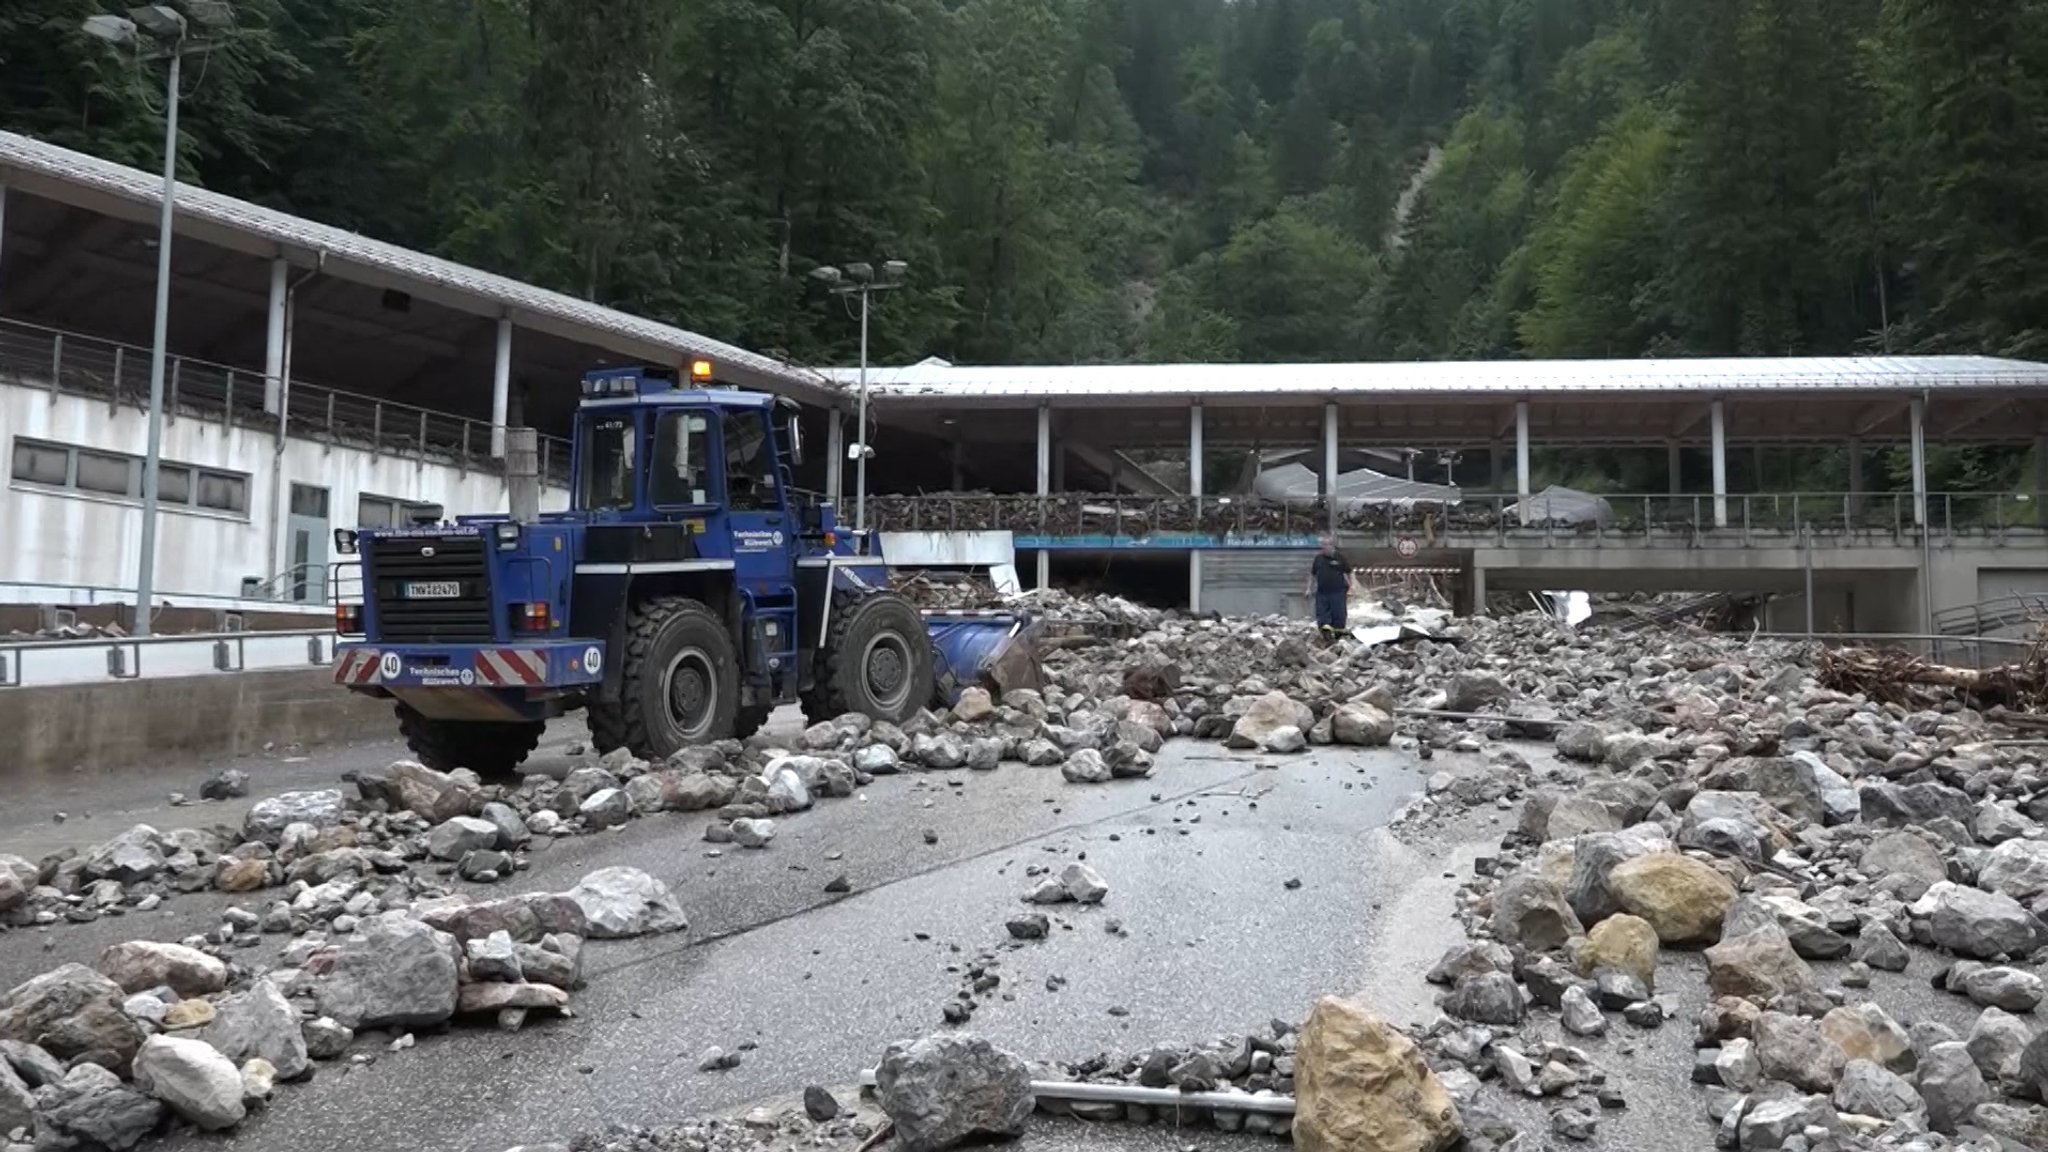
point(1120, 383)
point(50, 171)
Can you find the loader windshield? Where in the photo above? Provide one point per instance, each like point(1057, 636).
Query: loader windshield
point(682, 458)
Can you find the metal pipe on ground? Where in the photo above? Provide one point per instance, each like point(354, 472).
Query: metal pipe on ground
point(1153, 1097)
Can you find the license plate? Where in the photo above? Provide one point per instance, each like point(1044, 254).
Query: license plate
point(432, 590)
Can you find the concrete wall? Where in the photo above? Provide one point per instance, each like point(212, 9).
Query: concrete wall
point(84, 541)
point(103, 726)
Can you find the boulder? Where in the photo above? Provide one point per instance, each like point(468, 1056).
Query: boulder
point(786, 789)
point(2019, 1126)
point(1622, 942)
point(2018, 868)
point(880, 759)
point(524, 918)
point(409, 786)
point(1793, 1049)
point(697, 791)
point(1574, 816)
point(1904, 862)
point(1262, 722)
point(1083, 884)
point(72, 1012)
point(452, 839)
point(1360, 1084)
point(974, 706)
point(1361, 724)
point(260, 1024)
point(512, 830)
point(496, 997)
point(196, 1081)
point(619, 902)
point(136, 854)
point(1152, 680)
point(947, 1089)
point(1805, 925)
point(1996, 1041)
point(1906, 805)
point(1529, 911)
point(139, 965)
point(1877, 947)
point(1579, 1015)
point(2001, 987)
point(17, 1101)
point(1951, 1085)
point(270, 817)
point(391, 972)
point(90, 1108)
point(1475, 692)
point(1683, 899)
point(1867, 1032)
point(941, 750)
point(1593, 859)
point(1475, 956)
point(1773, 1123)
point(1869, 1090)
point(752, 834)
point(1787, 783)
point(326, 1038)
point(1984, 925)
point(605, 808)
point(1586, 743)
point(1758, 966)
point(1085, 766)
point(1486, 998)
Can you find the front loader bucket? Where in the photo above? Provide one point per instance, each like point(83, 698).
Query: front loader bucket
point(996, 651)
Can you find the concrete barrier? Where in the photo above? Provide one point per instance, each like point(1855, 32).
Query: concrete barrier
point(132, 722)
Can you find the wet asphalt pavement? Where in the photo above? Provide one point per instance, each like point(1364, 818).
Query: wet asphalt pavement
point(1196, 857)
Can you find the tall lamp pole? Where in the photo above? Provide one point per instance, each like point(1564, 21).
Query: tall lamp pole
point(165, 33)
point(861, 279)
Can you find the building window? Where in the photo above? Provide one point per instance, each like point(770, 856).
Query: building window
point(98, 472)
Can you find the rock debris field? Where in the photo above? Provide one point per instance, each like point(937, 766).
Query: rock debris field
point(1837, 901)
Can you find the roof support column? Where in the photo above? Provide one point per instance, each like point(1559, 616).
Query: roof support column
point(1855, 502)
point(501, 386)
point(1195, 578)
point(835, 455)
point(273, 335)
point(1522, 449)
point(1674, 461)
point(1918, 409)
point(1330, 461)
point(1195, 462)
point(1719, 419)
point(1044, 450)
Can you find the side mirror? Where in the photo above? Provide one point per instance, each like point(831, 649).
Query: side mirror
point(796, 441)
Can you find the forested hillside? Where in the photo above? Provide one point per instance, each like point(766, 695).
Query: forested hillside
point(1152, 179)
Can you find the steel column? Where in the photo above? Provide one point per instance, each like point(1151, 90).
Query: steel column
point(501, 386)
point(1195, 454)
point(1720, 425)
point(1330, 461)
point(145, 576)
point(1195, 578)
point(1919, 426)
point(835, 455)
point(1522, 449)
point(1044, 455)
point(273, 334)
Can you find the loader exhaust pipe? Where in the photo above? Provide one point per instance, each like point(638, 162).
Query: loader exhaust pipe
point(522, 473)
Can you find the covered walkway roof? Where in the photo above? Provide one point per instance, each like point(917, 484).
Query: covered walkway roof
point(78, 252)
point(1465, 402)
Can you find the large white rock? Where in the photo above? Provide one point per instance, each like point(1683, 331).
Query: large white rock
point(452, 839)
point(2018, 868)
point(621, 902)
point(260, 1024)
point(269, 818)
point(196, 1081)
point(138, 965)
point(391, 971)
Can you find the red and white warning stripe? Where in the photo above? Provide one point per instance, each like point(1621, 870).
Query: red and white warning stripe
point(358, 666)
point(511, 667)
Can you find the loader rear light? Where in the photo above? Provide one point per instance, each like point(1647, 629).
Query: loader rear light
point(531, 617)
point(831, 541)
point(348, 619)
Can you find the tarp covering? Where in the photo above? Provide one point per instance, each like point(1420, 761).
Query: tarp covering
point(1557, 505)
point(1298, 484)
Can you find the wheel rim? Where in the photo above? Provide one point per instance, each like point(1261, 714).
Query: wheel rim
point(689, 691)
point(885, 667)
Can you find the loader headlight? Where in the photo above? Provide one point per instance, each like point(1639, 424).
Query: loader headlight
point(345, 541)
point(507, 535)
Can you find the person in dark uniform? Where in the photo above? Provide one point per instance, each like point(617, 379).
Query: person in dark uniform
point(1331, 582)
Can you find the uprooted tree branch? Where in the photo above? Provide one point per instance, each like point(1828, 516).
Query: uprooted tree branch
point(1898, 677)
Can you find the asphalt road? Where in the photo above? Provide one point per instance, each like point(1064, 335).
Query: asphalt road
point(1196, 857)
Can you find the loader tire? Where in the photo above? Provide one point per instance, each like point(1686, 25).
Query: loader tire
point(876, 660)
point(491, 749)
point(679, 684)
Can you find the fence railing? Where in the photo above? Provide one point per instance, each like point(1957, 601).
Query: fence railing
point(1636, 520)
point(41, 663)
point(37, 356)
point(1991, 615)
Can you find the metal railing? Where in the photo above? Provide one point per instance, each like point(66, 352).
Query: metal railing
point(1991, 615)
point(36, 356)
point(42, 663)
point(1751, 519)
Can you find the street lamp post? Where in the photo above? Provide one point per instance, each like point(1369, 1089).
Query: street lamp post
point(861, 279)
point(168, 29)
